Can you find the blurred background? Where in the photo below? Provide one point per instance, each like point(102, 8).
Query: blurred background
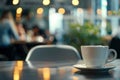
point(72, 22)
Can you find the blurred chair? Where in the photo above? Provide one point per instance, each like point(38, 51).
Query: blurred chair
point(53, 53)
point(115, 44)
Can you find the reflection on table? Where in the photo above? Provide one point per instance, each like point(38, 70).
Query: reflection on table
point(20, 70)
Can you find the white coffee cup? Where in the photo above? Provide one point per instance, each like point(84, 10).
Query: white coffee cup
point(96, 56)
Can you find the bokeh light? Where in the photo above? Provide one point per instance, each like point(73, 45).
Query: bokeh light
point(15, 2)
point(46, 2)
point(40, 11)
point(61, 10)
point(80, 10)
point(19, 10)
point(99, 11)
point(75, 2)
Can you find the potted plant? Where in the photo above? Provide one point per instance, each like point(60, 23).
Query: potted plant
point(87, 34)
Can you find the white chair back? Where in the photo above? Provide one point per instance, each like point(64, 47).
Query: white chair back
point(53, 53)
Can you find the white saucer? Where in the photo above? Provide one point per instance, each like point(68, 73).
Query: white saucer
point(83, 67)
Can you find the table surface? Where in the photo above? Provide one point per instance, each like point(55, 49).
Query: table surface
point(20, 70)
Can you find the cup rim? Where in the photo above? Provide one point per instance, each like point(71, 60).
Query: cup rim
point(93, 46)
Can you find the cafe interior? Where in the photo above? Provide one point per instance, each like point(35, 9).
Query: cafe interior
point(59, 39)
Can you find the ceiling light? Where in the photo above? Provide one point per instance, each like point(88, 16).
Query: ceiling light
point(19, 10)
point(99, 11)
point(75, 2)
point(40, 10)
point(15, 2)
point(46, 2)
point(61, 10)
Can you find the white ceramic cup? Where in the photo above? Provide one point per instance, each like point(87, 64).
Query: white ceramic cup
point(96, 56)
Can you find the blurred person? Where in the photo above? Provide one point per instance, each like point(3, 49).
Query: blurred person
point(8, 31)
point(21, 49)
point(50, 38)
point(21, 31)
point(29, 20)
point(8, 34)
point(115, 43)
point(38, 34)
point(38, 31)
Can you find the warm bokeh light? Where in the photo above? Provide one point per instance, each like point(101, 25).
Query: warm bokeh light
point(19, 10)
point(74, 70)
point(17, 70)
point(16, 75)
point(61, 10)
point(40, 11)
point(15, 2)
point(46, 2)
point(80, 10)
point(18, 15)
point(46, 73)
point(99, 12)
point(75, 78)
point(19, 64)
point(75, 2)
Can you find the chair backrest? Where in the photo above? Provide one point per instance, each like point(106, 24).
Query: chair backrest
point(53, 53)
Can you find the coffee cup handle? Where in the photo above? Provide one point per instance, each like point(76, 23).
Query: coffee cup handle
point(114, 57)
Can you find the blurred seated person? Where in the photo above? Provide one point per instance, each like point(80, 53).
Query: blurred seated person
point(50, 38)
point(21, 31)
point(29, 20)
point(7, 34)
point(115, 44)
point(38, 32)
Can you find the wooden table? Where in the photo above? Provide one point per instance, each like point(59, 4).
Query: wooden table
point(19, 70)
